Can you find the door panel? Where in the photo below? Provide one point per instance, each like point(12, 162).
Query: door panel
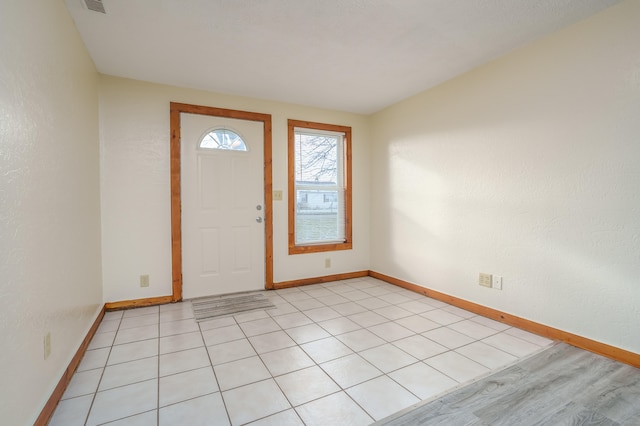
point(242, 249)
point(208, 184)
point(222, 242)
point(209, 251)
point(240, 186)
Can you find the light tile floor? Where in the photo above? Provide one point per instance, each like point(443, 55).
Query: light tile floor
point(347, 352)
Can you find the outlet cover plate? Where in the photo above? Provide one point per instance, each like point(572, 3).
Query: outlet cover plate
point(496, 282)
point(144, 280)
point(485, 280)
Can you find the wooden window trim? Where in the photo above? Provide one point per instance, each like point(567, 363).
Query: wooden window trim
point(317, 248)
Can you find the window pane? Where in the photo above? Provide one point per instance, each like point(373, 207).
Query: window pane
point(223, 139)
point(316, 159)
point(318, 214)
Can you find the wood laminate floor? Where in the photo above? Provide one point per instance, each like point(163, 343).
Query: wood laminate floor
point(562, 385)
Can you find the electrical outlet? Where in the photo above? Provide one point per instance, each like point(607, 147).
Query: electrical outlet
point(277, 195)
point(327, 262)
point(496, 282)
point(47, 345)
point(144, 280)
point(485, 280)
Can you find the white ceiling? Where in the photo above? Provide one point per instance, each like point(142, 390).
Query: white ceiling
point(348, 55)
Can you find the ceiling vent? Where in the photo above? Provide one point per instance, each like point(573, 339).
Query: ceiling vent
point(95, 5)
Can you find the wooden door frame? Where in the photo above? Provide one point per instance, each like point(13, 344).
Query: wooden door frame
point(176, 197)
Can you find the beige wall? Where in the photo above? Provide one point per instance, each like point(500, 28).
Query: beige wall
point(529, 168)
point(134, 133)
point(50, 274)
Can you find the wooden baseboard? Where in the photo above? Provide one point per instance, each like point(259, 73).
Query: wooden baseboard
point(599, 348)
point(52, 402)
point(138, 303)
point(319, 280)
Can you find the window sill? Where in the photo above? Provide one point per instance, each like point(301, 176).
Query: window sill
point(318, 248)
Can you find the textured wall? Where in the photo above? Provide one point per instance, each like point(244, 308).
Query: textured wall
point(135, 194)
point(50, 274)
point(527, 168)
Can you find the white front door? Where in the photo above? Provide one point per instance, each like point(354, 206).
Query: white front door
point(223, 234)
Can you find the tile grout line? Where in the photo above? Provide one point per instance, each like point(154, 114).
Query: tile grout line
point(357, 353)
point(341, 389)
point(384, 374)
point(104, 369)
point(213, 370)
point(316, 364)
point(267, 368)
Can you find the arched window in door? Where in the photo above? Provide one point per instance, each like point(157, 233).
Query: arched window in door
point(223, 139)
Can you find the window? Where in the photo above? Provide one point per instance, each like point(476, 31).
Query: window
point(319, 187)
point(223, 139)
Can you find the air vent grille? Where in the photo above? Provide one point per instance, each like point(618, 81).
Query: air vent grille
point(95, 5)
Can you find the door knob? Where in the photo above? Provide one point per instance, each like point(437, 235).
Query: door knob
point(259, 219)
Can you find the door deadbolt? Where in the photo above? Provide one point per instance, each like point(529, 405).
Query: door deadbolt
point(258, 207)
